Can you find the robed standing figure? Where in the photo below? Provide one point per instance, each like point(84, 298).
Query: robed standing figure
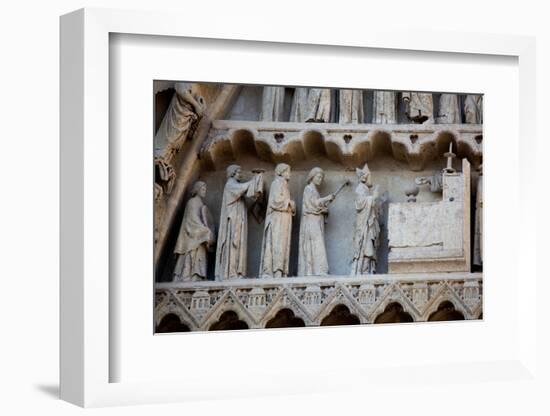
point(233, 231)
point(194, 239)
point(478, 225)
point(367, 227)
point(312, 253)
point(278, 225)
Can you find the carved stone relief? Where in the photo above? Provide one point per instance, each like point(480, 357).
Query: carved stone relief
point(233, 231)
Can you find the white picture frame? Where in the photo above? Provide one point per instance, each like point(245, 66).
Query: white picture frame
point(87, 356)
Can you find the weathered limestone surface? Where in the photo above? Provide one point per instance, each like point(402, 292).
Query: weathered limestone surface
point(187, 167)
point(335, 259)
point(256, 301)
point(299, 111)
point(473, 109)
point(312, 254)
point(384, 107)
point(478, 238)
point(278, 225)
point(351, 107)
point(367, 228)
point(196, 236)
point(232, 249)
point(350, 145)
point(449, 112)
point(433, 237)
point(273, 104)
point(419, 104)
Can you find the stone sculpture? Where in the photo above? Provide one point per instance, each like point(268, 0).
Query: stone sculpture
point(312, 254)
point(478, 230)
point(351, 106)
point(367, 227)
point(278, 224)
point(183, 112)
point(384, 107)
point(194, 239)
point(184, 109)
point(299, 108)
point(420, 107)
point(273, 99)
point(473, 109)
point(232, 235)
point(449, 111)
point(435, 181)
point(318, 104)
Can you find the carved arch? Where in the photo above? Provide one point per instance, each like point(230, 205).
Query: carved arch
point(172, 304)
point(446, 294)
point(398, 312)
point(228, 302)
point(279, 303)
point(165, 325)
point(341, 296)
point(340, 315)
point(291, 319)
point(166, 310)
point(394, 294)
point(457, 313)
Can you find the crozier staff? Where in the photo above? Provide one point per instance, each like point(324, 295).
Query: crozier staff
point(312, 254)
point(367, 227)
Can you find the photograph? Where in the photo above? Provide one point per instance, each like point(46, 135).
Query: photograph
point(291, 206)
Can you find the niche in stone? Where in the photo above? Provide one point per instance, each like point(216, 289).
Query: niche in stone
point(340, 315)
point(393, 313)
point(285, 318)
point(228, 320)
point(446, 312)
point(171, 323)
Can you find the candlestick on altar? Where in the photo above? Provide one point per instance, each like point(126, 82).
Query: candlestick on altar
point(450, 156)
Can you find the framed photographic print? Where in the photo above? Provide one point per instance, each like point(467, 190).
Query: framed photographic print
point(242, 215)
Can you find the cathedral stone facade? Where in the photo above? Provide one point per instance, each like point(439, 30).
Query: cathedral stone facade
point(289, 207)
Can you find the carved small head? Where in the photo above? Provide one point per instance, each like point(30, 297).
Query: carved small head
point(364, 175)
point(316, 175)
point(234, 171)
point(199, 188)
point(283, 170)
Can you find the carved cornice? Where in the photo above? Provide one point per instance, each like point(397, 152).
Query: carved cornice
point(351, 145)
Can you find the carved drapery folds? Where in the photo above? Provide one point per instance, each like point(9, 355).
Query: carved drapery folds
point(420, 107)
point(449, 111)
point(232, 247)
point(316, 105)
point(272, 104)
point(367, 228)
point(247, 277)
point(278, 225)
point(196, 236)
point(177, 125)
point(478, 224)
point(384, 107)
point(351, 107)
point(312, 256)
point(473, 109)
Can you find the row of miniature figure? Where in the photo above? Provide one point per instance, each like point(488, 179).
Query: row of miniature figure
point(197, 235)
point(314, 105)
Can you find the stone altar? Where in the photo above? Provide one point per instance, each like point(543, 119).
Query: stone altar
point(416, 248)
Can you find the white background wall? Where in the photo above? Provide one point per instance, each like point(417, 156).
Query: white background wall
point(29, 210)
